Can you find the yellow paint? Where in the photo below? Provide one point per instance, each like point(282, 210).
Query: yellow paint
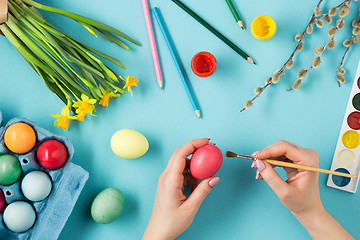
point(263, 27)
point(351, 139)
point(346, 158)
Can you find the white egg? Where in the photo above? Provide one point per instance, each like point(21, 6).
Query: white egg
point(19, 216)
point(36, 186)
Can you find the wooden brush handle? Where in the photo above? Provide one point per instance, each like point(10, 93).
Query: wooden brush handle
point(312, 169)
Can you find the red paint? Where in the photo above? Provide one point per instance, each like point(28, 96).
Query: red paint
point(2, 200)
point(358, 82)
point(353, 120)
point(52, 154)
point(203, 64)
point(205, 162)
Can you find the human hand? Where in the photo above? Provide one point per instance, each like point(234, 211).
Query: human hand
point(173, 212)
point(300, 192)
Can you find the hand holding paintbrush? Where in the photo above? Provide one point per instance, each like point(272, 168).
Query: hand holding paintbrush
point(300, 192)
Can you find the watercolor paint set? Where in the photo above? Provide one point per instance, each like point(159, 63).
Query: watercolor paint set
point(347, 153)
point(36, 200)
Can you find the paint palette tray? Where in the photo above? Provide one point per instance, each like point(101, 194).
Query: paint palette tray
point(67, 184)
point(347, 153)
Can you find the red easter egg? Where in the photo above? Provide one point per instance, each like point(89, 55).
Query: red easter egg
point(2, 200)
point(205, 162)
point(52, 154)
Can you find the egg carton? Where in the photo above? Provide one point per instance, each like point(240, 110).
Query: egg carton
point(67, 184)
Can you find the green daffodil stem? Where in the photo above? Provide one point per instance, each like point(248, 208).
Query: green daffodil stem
point(36, 17)
point(61, 36)
point(30, 57)
point(110, 38)
point(58, 57)
point(43, 55)
point(80, 18)
point(55, 88)
point(23, 50)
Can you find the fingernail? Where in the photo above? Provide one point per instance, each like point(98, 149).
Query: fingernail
point(255, 153)
point(260, 165)
point(214, 181)
point(257, 175)
point(253, 164)
point(211, 143)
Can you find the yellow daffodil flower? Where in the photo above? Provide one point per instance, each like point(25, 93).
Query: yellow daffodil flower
point(62, 120)
point(131, 81)
point(107, 94)
point(84, 106)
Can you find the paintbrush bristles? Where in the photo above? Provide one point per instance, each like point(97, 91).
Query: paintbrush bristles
point(231, 154)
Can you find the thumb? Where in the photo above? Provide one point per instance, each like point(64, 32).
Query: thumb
point(201, 191)
point(279, 186)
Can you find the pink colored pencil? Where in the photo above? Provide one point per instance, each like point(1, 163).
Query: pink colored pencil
point(152, 43)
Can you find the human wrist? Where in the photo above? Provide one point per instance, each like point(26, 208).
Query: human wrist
point(310, 215)
point(315, 221)
point(154, 231)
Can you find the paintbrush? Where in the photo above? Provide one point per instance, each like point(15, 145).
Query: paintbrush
point(290, 165)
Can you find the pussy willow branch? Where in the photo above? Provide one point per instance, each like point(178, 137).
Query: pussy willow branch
point(326, 45)
point(293, 53)
point(291, 56)
point(342, 61)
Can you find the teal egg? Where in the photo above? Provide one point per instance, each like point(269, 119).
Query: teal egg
point(10, 169)
point(107, 206)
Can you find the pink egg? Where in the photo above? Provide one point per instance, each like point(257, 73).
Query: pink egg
point(205, 162)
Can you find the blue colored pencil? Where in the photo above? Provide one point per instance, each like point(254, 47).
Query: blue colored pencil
point(176, 59)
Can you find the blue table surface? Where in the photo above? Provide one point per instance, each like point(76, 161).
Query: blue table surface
point(239, 207)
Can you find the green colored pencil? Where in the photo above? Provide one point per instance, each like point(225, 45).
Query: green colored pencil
point(214, 31)
point(235, 14)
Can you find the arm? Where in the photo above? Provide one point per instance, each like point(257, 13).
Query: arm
point(173, 212)
point(300, 193)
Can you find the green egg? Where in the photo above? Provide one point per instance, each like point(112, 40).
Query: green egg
point(107, 206)
point(10, 169)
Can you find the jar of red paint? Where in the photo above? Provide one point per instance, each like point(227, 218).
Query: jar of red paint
point(203, 64)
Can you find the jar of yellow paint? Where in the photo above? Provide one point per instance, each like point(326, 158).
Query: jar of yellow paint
point(263, 27)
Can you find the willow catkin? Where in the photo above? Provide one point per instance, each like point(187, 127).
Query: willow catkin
point(289, 64)
point(302, 73)
point(316, 62)
point(297, 84)
point(332, 31)
point(355, 39)
point(317, 11)
point(331, 44)
point(341, 71)
point(248, 104)
point(340, 78)
point(318, 50)
point(356, 31)
point(333, 11)
point(344, 11)
point(347, 43)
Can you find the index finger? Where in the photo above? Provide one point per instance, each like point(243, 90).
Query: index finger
point(178, 160)
point(292, 151)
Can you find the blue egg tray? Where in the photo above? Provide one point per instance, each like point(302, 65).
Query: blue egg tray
point(68, 182)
